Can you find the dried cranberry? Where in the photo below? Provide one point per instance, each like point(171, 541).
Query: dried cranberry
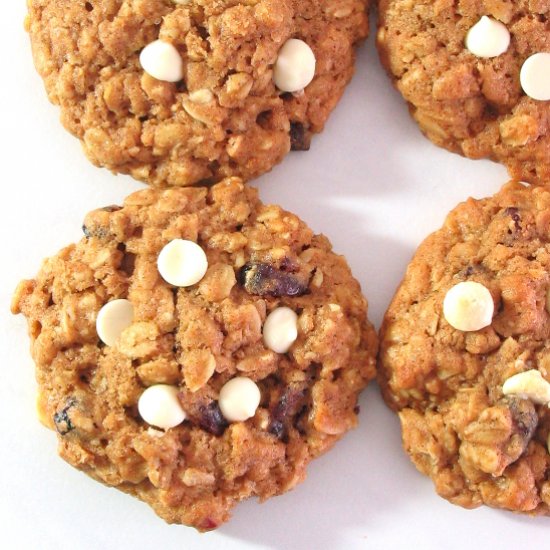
point(300, 138)
point(524, 415)
point(211, 418)
point(263, 279)
point(203, 410)
point(290, 403)
point(208, 524)
point(128, 263)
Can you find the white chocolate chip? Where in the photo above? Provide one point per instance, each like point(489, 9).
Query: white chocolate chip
point(182, 263)
point(488, 38)
point(280, 329)
point(295, 66)
point(162, 61)
point(468, 306)
point(528, 385)
point(112, 319)
point(159, 406)
point(548, 300)
point(239, 399)
point(535, 76)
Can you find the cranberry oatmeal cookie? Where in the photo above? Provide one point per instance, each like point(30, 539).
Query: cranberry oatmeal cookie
point(177, 92)
point(474, 75)
point(196, 348)
point(465, 355)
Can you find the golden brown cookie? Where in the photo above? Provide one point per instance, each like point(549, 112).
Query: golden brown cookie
point(467, 96)
point(194, 397)
point(465, 357)
point(219, 113)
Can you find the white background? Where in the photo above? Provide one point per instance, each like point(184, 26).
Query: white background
point(371, 183)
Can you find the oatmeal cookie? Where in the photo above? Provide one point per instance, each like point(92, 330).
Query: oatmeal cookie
point(465, 353)
point(178, 92)
point(216, 386)
point(473, 74)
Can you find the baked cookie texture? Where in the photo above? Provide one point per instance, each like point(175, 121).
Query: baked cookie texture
point(464, 103)
point(478, 445)
point(226, 117)
point(197, 338)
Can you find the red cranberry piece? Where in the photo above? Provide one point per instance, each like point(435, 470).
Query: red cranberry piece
point(286, 408)
point(262, 279)
point(300, 138)
point(211, 419)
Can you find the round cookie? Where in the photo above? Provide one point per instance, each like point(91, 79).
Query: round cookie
point(217, 112)
point(193, 404)
point(461, 66)
point(468, 421)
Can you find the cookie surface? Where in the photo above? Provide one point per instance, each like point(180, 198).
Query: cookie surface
point(466, 420)
point(225, 117)
point(224, 439)
point(466, 103)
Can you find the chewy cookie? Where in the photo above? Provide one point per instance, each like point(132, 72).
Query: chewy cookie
point(474, 75)
point(175, 92)
point(464, 353)
point(196, 348)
